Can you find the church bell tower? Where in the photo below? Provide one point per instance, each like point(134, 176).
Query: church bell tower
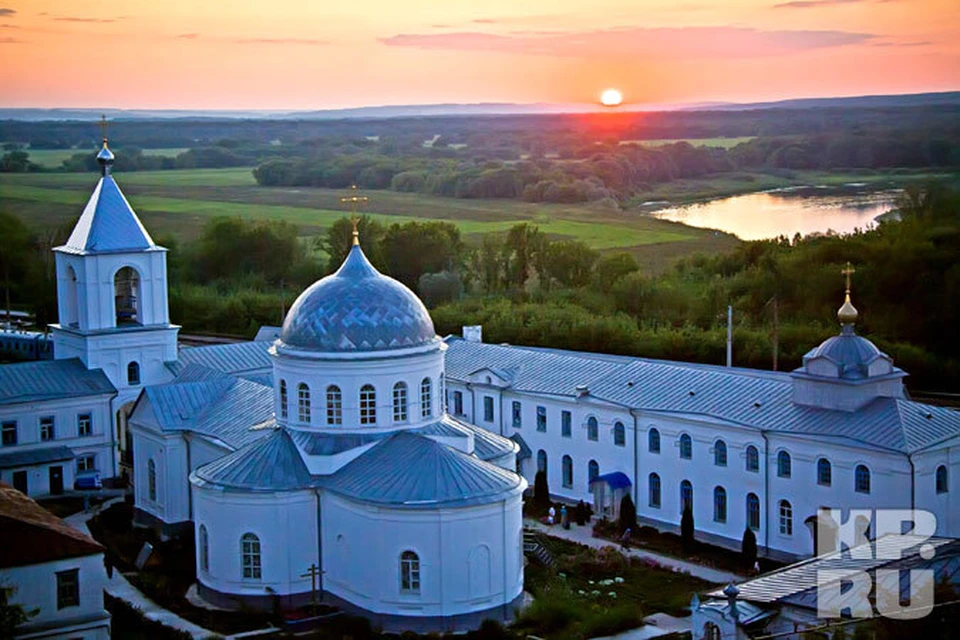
point(112, 293)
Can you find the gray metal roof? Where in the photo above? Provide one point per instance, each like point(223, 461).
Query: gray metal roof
point(236, 359)
point(357, 309)
point(271, 463)
point(487, 445)
point(797, 584)
point(32, 457)
point(50, 380)
point(852, 354)
point(413, 471)
point(233, 410)
point(762, 402)
point(108, 224)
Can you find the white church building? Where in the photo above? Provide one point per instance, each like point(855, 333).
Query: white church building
point(358, 457)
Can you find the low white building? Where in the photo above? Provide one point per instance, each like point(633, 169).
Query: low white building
point(53, 571)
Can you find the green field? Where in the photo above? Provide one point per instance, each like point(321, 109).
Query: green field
point(179, 203)
point(53, 158)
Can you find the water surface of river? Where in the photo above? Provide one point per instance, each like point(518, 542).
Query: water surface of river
point(769, 214)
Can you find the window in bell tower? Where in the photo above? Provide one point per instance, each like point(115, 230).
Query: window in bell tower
point(126, 292)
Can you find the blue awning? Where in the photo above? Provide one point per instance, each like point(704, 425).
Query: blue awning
point(34, 457)
point(615, 480)
point(525, 451)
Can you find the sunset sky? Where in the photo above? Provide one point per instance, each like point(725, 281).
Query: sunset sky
point(314, 54)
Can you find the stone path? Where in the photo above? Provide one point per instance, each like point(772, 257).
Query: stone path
point(659, 624)
point(119, 587)
point(584, 535)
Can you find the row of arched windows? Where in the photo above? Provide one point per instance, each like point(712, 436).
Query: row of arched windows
point(655, 499)
point(784, 462)
point(367, 399)
point(566, 468)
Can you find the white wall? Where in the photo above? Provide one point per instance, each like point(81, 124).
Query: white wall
point(363, 544)
point(36, 588)
point(945, 506)
point(169, 453)
point(285, 523)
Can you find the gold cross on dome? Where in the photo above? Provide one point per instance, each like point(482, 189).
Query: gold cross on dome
point(848, 271)
point(355, 200)
point(103, 128)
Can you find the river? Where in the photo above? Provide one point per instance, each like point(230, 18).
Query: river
point(803, 210)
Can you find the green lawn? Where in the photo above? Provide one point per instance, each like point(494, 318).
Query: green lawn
point(53, 158)
point(725, 143)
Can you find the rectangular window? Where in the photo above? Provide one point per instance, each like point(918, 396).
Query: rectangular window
point(86, 463)
point(84, 425)
point(566, 424)
point(457, 403)
point(488, 408)
point(68, 588)
point(516, 413)
point(9, 433)
point(46, 429)
point(541, 418)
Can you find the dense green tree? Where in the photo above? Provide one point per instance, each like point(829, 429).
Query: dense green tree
point(687, 529)
point(339, 239)
point(522, 250)
point(748, 548)
point(628, 514)
point(16, 257)
point(414, 248)
point(568, 262)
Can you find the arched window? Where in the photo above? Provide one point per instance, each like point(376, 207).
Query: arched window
point(250, 556)
point(720, 453)
point(283, 399)
point(368, 404)
point(619, 435)
point(686, 447)
point(133, 373)
point(426, 398)
point(941, 479)
point(783, 464)
point(303, 402)
point(126, 290)
point(400, 402)
point(593, 471)
point(409, 572)
point(753, 511)
point(686, 496)
point(567, 464)
point(653, 441)
point(719, 504)
point(786, 518)
point(824, 472)
point(71, 308)
point(711, 631)
point(861, 478)
point(593, 429)
point(442, 390)
point(152, 479)
point(653, 484)
point(204, 545)
point(753, 459)
point(542, 460)
point(334, 406)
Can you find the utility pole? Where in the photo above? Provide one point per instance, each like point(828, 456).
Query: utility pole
point(729, 335)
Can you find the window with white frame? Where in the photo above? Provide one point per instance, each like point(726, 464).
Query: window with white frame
point(47, 429)
point(784, 466)
point(400, 402)
point(619, 435)
point(303, 402)
point(409, 572)
point(593, 429)
point(334, 406)
point(566, 424)
point(133, 373)
point(250, 556)
point(786, 518)
point(686, 496)
point(861, 479)
point(941, 479)
point(516, 413)
point(593, 472)
point(567, 464)
point(719, 504)
point(653, 441)
point(753, 511)
point(84, 424)
point(488, 408)
point(368, 404)
point(686, 447)
point(653, 484)
point(824, 472)
point(204, 543)
point(283, 399)
point(541, 419)
point(458, 403)
point(87, 462)
point(152, 480)
point(753, 459)
point(68, 588)
point(720, 453)
point(426, 398)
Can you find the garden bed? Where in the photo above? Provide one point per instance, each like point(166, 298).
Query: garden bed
point(68, 505)
point(169, 572)
point(599, 592)
point(670, 544)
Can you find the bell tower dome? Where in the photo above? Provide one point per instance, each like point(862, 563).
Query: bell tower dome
point(112, 292)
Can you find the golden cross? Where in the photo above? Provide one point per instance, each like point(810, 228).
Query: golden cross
point(103, 128)
point(354, 200)
point(848, 271)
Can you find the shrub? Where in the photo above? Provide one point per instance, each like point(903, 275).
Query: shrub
point(628, 514)
point(612, 621)
point(541, 491)
point(686, 529)
point(748, 548)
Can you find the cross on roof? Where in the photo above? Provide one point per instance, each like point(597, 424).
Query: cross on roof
point(848, 271)
point(354, 200)
point(103, 128)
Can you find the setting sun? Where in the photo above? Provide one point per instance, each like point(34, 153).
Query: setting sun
point(611, 98)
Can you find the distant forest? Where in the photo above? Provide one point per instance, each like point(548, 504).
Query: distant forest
point(537, 158)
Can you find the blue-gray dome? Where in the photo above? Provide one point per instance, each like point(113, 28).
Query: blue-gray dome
point(853, 355)
point(357, 309)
